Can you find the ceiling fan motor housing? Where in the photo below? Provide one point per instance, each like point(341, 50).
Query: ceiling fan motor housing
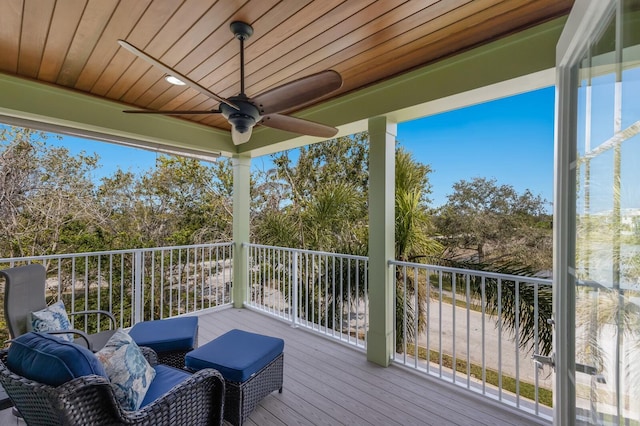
point(244, 118)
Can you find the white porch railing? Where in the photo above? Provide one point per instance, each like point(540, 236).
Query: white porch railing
point(463, 324)
point(327, 293)
point(323, 292)
point(140, 284)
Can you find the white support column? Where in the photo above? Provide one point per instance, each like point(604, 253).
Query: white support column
point(382, 138)
point(241, 227)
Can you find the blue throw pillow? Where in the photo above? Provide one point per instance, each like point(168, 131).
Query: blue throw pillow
point(52, 318)
point(127, 368)
point(50, 360)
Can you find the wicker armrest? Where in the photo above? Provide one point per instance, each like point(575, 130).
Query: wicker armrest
point(97, 312)
point(197, 400)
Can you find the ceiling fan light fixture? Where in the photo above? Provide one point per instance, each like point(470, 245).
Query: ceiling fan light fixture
point(240, 137)
point(241, 125)
point(174, 80)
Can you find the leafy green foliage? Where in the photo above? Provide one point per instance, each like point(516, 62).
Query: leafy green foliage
point(498, 224)
point(320, 201)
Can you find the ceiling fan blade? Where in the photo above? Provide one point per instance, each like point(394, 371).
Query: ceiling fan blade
point(168, 70)
point(298, 125)
point(298, 92)
point(171, 112)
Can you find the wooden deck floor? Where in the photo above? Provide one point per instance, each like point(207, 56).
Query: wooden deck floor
point(328, 383)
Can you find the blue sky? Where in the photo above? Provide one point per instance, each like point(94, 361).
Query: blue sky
point(510, 140)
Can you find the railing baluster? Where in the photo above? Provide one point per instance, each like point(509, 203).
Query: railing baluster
point(99, 280)
point(121, 290)
point(440, 323)
point(483, 304)
point(342, 299)
point(86, 291)
point(453, 315)
point(294, 286)
point(405, 337)
point(517, 342)
point(416, 317)
point(162, 274)
point(500, 339)
point(349, 300)
point(186, 281)
point(536, 372)
point(468, 297)
point(428, 360)
point(357, 302)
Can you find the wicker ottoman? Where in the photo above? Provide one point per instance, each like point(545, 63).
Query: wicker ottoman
point(171, 338)
point(251, 364)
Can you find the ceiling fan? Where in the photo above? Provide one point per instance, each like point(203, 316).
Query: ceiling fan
point(244, 112)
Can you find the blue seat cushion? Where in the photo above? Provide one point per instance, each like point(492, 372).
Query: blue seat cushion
point(172, 334)
point(237, 354)
point(50, 360)
point(166, 378)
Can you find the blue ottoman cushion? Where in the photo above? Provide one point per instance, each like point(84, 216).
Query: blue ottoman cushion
point(172, 334)
point(237, 354)
point(50, 360)
point(166, 378)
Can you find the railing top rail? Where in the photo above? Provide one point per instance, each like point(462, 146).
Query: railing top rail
point(321, 253)
point(108, 252)
point(486, 274)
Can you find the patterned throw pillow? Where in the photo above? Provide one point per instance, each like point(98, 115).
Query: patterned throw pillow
point(52, 318)
point(129, 372)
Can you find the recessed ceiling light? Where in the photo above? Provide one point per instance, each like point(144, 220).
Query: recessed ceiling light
point(173, 80)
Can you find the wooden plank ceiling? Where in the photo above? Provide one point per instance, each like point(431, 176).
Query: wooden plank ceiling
point(73, 43)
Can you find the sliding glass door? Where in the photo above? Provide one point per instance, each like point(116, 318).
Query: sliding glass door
point(598, 230)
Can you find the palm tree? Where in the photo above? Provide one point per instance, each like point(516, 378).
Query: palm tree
point(413, 228)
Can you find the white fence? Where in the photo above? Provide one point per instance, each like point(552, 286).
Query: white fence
point(140, 284)
point(475, 329)
point(323, 292)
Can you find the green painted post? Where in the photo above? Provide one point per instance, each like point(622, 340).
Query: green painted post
point(241, 204)
point(382, 138)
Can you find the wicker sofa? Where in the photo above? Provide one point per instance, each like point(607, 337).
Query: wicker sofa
point(197, 399)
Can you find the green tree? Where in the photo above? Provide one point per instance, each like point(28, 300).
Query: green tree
point(318, 203)
point(179, 201)
point(47, 198)
point(498, 224)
